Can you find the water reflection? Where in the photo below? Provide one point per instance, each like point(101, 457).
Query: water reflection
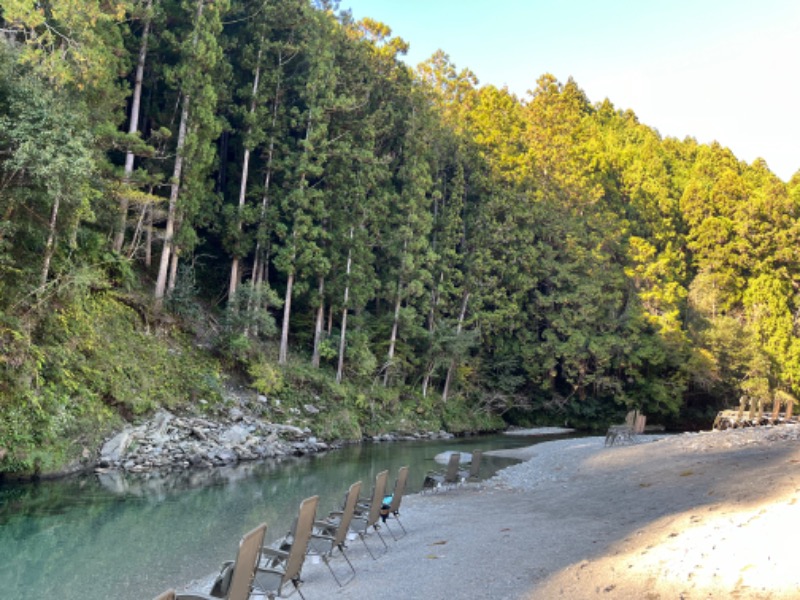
point(108, 536)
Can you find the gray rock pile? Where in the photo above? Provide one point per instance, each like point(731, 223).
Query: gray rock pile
point(170, 442)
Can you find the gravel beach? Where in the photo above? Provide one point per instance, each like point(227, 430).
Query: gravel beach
point(691, 516)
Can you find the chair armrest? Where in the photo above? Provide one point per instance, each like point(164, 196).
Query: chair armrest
point(324, 528)
point(274, 552)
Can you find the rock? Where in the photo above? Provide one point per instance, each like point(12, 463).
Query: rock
point(226, 456)
point(444, 457)
point(113, 450)
point(234, 435)
point(159, 426)
point(169, 442)
point(290, 431)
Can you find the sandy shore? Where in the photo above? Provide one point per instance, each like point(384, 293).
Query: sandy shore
point(682, 517)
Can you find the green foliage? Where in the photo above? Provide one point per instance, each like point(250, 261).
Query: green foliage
point(245, 321)
point(343, 424)
point(483, 257)
point(86, 364)
point(266, 378)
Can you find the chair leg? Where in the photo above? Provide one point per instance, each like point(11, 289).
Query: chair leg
point(296, 583)
point(397, 518)
point(399, 522)
point(363, 536)
point(389, 529)
point(330, 568)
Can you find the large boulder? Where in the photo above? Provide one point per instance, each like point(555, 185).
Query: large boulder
point(444, 457)
point(114, 449)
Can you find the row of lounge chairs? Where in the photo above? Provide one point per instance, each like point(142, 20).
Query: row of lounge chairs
point(453, 475)
point(261, 571)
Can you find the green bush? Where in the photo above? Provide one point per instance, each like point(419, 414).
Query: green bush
point(266, 378)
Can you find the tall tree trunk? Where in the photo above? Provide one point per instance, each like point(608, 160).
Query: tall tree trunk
point(393, 337)
point(283, 355)
point(395, 324)
point(234, 280)
point(51, 240)
point(426, 381)
point(318, 323)
point(260, 255)
point(133, 127)
point(169, 231)
point(173, 263)
point(431, 325)
point(148, 248)
point(450, 369)
point(343, 334)
point(137, 232)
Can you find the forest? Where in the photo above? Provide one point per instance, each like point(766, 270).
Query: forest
point(200, 192)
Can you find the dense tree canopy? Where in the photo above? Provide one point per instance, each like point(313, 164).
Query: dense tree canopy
point(545, 258)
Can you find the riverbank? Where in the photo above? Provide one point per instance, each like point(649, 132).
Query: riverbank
point(170, 443)
point(691, 516)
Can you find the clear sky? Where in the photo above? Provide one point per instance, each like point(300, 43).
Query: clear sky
point(724, 70)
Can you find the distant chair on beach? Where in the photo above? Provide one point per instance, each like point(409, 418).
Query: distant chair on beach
point(236, 579)
point(625, 434)
point(473, 474)
point(437, 480)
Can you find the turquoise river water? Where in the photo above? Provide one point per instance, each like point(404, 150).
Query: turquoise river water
point(101, 537)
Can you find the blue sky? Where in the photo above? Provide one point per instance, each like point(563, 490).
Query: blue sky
point(724, 70)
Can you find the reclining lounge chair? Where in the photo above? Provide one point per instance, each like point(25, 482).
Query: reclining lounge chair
point(279, 566)
point(366, 517)
point(395, 499)
point(331, 534)
point(236, 579)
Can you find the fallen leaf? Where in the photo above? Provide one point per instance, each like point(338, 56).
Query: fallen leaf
point(439, 543)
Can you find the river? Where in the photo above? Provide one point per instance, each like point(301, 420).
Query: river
point(100, 537)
